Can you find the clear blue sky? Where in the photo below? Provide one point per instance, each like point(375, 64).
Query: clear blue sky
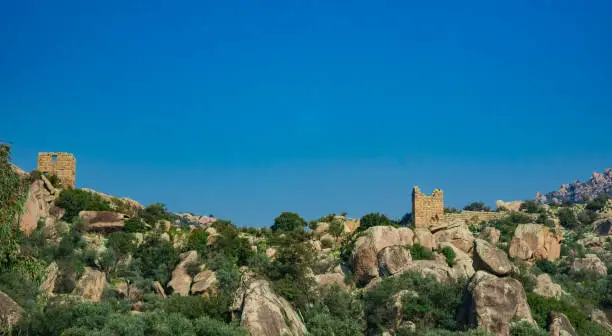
point(245, 109)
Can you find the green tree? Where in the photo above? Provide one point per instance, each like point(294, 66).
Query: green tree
point(135, 224)
point(154, 213)
point(336, 228)
point(476, 206)
point(374, 219)
point(76, 200)
point(288, 221)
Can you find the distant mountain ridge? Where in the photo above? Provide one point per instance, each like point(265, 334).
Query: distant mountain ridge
point(578, 192)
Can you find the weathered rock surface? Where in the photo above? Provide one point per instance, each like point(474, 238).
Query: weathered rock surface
point(392, 259)
point(375, 239)
point(600, 318)
point(425, 238)
point(91, 285)
point(48, 285)
point(441, 272)
point(490, 234)
point(203, 281)
point(40, 200)
point(590, 263)
point(595, 244)
point(560, 325)
point(578, 192)
point(533, 242)
point(181, 280)
point(492, 303)
point(263, 312)
point(398, 306)
point(491, 259)
point(545, 287)
point(187, 219)
point(10, 311)
point(103, 221)
point(159, 290)
point(458, 234)
point(331, 279)
point(464, 265)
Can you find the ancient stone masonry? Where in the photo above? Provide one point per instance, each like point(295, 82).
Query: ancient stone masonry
point(427, 209)
point(61, 164)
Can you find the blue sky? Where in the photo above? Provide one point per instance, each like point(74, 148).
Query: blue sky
point(245, 109)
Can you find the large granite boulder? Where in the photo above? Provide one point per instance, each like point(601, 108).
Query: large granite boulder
point(103, 221)
point(590, 263)
point(425, 238)
point(490, 234)
point(492, 303)
point(159, 289)
point(440, 271)
point(203, 282)
point(463, 265)
point(560, 325)
point(456, 233)
point(545, 287)
point(91, 285)
point(600, 318)
point(491, 259)
point(509, 206)
point(533, 242)
point(263, 312)
point(181, 280)
point(392, 259)
point(331, 279)
point(373, 240)
point(10, 311)
point(40, 200)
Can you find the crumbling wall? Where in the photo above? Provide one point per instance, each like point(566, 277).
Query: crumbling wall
point(61, 164)
point(427, 210)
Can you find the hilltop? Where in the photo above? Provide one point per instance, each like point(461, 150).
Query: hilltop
point(80, 262)
point(580, 192)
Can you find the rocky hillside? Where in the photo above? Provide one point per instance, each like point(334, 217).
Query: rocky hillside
point(94, 264)
point(580, 192)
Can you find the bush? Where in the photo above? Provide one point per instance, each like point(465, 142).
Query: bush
point(435, 306)
point(419, 252)
point(598, 203)
point(524, 328)
point(547, 266)
point(75, 200)
point(336, 228)
point(154, 213)
point(450, 255)
point(135, 224)
point(156, 259)
point(288, 221)
point(567, 218)
point(374, 219)
point(476, 206)
point(451, 210)
point(334, 312)
point(507, 225)
point(531, 207)
point(197, 241)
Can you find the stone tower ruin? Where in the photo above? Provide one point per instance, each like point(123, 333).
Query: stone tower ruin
point(61, 164)
point(427, 210)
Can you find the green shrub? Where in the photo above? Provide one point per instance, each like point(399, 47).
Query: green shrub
point(476, 206)
point(547, 266)
point(334, 312)
point(451, 210)
point(507, 225)
point(154, 213)
point(76, 200)
point(374, 219)
point(135, 224)
point(542, 306)
point(197, 241)
point(435, 306)
point(205, 326)
point(288, 221)
point(450, 255)
point(156, 259)
point(531, 206)
point(336, 228)
point(567, 218)
point(418, 252)
point(525, 328)
point(598, 203)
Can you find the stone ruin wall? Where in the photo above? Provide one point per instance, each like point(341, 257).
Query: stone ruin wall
point(61, 164)
point(427, 210)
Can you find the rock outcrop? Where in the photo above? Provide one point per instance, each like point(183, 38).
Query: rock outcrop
point(103, 221)
point(509, 206)
point(91, 285)
point(374, 239)
point(533, 242)
point(439, 271)
point(590, 263)
point(203, 282)
point(39, 203)
point(187, 219)
point(492, 303)
point(159, 289)
point(456, 233)
point(263, 312)
point(545, 287)
point(425, 238)
point(600, 318)
point(10, 311)
point(181, 280)
point(490, 234)
point(603, 227)
point(47, 287)
point(560, 325)
point(331, 279)
point(578, 192)
point(119, 204)
point(491, 259)
point(392, 259)
point(463, 265)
